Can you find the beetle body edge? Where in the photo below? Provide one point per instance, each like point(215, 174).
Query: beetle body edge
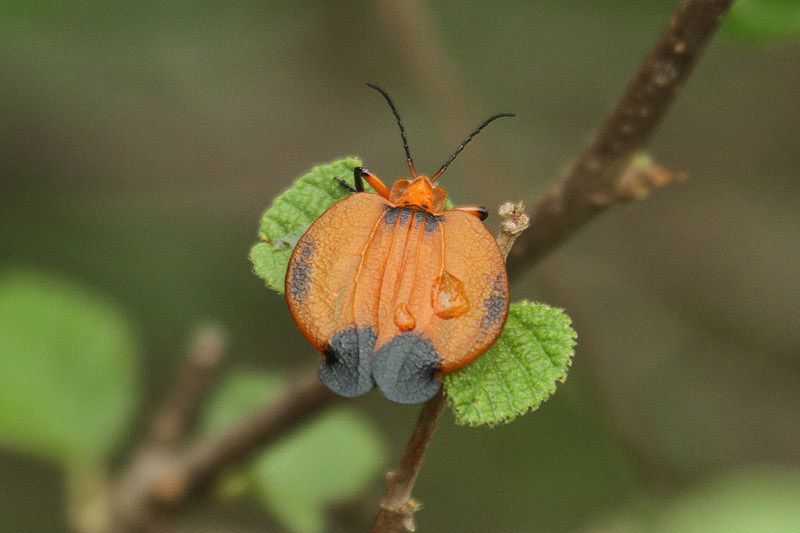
point(393, 291)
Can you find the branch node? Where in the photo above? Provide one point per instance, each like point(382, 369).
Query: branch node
point(513, 221)
point(642, 176)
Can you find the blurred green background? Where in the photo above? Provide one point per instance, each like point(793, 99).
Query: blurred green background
point(140, 143)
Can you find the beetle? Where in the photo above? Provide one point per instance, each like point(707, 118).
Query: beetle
point(393, 289)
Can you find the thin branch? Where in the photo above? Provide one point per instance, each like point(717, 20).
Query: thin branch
point(592, 183)
point(163, 476)
point(207, 349)
point(128, 508)
point(204, 459)
point(397, 508)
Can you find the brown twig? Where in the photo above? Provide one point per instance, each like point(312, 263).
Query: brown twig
point(130, 506)
point(397, 508)
point(164, 476)
point(204, 459)
point(206, 352)
point(592, 184)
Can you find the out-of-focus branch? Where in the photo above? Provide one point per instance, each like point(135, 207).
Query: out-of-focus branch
point(164, 477)
point(593, 183)
point(397, 509)
point(204, 459)
point(207, 349)
point(130, 504)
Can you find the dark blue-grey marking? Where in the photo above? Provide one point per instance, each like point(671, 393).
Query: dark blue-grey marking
point(347, 366)
point(391, 214)
point(432, 223)
point(495, 305)
point(405, 214)
point(390, 217)
point(300, 274)
point(404, 368)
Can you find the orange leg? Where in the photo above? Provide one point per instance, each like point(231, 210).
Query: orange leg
point(361, 173)
point(474, 210)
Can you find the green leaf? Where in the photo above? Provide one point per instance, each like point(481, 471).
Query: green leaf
point(742, 501)
point(763, 22)
point(519, 372)
point(67, 369)
point(333, 459)
point(239, 395)
point(330, 459)
point(292, 213)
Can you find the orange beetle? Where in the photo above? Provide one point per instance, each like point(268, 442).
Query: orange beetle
point(393, 289)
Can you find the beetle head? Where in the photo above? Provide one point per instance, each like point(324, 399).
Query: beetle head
point(419, 192)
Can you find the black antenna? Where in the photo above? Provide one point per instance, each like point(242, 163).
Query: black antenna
point(399, 123)
point(468, 139)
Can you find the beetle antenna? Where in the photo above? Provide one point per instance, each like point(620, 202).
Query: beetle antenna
point(399, 123)
point(468, 139)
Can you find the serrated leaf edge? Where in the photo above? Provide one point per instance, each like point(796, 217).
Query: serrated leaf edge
point(519, 410)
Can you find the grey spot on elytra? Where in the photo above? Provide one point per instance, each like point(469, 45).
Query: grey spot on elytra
point(390, 215)
point(405, 213)
point(347, 366)
point(431, 223)
point(496, 304)
point(405, 368)
point(300, 270)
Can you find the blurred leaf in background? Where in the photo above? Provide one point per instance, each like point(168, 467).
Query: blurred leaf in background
point(746, 500)
point(68, 372)
point(763, 22)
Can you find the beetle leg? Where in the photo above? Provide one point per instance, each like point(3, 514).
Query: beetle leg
point(361, 173)
point(344, 184)
point(474, 210)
